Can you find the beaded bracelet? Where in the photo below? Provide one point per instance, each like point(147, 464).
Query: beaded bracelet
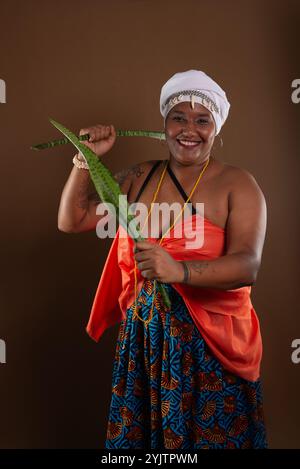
point(80, 164)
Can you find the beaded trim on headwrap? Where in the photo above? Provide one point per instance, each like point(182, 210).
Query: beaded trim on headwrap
point(177, 97)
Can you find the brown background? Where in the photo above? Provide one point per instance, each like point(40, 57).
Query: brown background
point(88, 62)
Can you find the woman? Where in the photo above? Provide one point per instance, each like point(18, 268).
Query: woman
point(185, 376)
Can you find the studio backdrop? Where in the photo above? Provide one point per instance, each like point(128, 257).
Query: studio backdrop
point(88, 62)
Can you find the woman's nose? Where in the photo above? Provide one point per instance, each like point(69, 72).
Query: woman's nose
point(189, 124)
point(189, 128)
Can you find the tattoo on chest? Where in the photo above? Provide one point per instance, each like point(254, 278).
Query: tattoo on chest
point(84, 199)
point(136, 171)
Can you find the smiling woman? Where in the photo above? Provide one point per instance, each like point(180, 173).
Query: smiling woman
point(191, 129)
point(201, 119)
point(186, 375)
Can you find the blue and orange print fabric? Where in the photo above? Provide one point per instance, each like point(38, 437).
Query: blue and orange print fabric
point(170, 392)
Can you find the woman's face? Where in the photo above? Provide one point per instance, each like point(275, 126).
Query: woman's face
point(193, 125)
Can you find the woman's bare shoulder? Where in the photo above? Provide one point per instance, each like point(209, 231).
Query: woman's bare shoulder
point(233, 174)
point(239, 182)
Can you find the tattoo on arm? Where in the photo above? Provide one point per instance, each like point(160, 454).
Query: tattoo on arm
point(82, 200)
point(198, 266)
point(94, 198)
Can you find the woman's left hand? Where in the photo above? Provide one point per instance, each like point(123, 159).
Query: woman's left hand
point(156, 264)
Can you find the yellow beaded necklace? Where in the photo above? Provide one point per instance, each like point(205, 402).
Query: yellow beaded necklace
point(146, 321)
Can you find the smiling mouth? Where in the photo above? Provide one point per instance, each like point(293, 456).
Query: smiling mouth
point(188, 143)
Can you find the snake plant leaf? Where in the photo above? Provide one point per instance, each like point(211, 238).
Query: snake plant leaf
point(164, 295)
point(120, 133)
point(105, 184)
point(109, 191)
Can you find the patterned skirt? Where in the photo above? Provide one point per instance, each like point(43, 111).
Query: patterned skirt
point(170, 392)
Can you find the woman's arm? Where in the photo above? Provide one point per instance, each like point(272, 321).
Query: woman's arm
point(77, 209)
point(245, 235)
point(79, 200)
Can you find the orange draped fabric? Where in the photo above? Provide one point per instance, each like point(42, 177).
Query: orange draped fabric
point(226, 319)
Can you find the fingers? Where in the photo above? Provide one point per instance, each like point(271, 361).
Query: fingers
point(144, 245)
point(146, 269)
point(145, 265)
point(141, 256)
point(113, 131)
point(149, 274)
point(98, 132)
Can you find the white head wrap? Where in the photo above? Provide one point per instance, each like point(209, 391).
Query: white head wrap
point(195, 86)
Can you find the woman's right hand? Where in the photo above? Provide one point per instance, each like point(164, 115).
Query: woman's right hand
point(102, 138)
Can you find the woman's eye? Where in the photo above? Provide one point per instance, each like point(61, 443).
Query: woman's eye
point(202, 121)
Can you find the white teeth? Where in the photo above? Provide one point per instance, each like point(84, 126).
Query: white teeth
point(188, 143)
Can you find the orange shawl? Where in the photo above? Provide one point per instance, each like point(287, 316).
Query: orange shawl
point(226, 319)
